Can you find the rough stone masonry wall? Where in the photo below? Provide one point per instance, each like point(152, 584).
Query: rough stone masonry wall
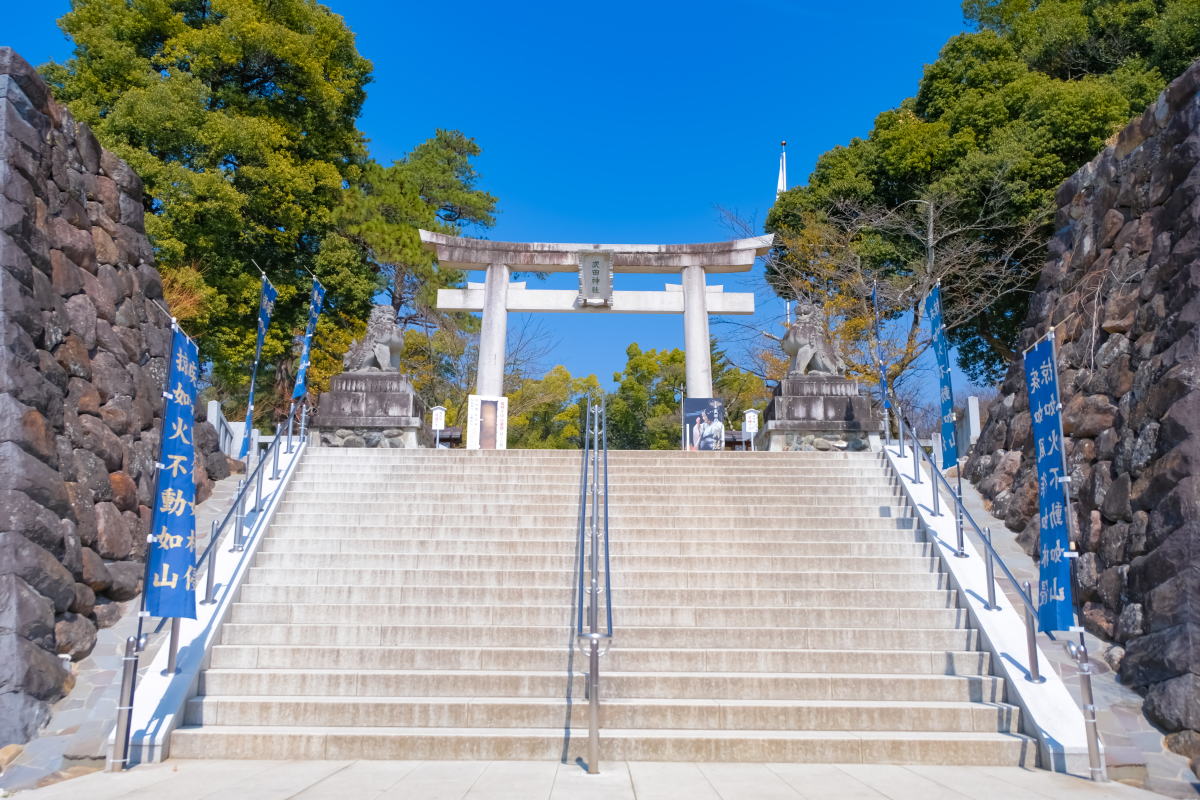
point(1123, 292)
point(82, 361)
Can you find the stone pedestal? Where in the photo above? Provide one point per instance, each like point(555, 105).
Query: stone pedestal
point(818, 412)
point(370, 409)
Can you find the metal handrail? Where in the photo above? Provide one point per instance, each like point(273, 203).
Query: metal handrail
point(1078, 652)
point(134, 644)
point(990, 555)
point(593, 534)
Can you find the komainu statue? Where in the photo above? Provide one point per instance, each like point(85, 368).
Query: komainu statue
point(381, 347)
point(810, 346)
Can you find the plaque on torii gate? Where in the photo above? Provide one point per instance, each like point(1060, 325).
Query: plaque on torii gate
point(596, 265)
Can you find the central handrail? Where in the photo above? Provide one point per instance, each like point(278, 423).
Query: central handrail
point(592, 539)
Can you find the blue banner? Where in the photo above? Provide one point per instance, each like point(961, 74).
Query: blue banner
point(883, 387)
point(171, 560)
point(1055, 611)
point(266, 305)
point(314, 311)
point(937, 329)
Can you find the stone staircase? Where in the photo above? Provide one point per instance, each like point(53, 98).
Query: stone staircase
point(412, 604)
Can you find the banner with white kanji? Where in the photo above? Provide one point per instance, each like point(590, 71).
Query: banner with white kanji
point(937, 328)
point(1055, 609)
point(314, 313)
point(171, 559)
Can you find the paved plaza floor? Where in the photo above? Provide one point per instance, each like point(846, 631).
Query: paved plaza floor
point(534, 780)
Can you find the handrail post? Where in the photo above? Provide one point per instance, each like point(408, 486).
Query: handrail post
point(173, 648)
point(937, 493)
point(1035, 675)
point(1095, 763)
point(990, 570)
point(210, 580)
point(304, 420)
point(916, 447)
point(239, 513)
point(291, 418)
point(961, 552)
point(900, 430)
point(258, 501)
point(275, 453)
point(124, 707)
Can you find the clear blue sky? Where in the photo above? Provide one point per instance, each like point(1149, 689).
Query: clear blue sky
point(620, 121)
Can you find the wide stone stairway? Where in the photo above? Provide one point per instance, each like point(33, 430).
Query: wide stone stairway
point(415, 604)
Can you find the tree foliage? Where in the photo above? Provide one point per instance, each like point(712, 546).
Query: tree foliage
point(546, 413)
point(644, 411)
point(1026, 99)
point(240, 117)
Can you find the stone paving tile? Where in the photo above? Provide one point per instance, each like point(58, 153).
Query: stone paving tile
point(533, 780)
point(1120, 718)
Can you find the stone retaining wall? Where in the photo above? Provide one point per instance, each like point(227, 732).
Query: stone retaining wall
point(82, 362)
point(1123, 293)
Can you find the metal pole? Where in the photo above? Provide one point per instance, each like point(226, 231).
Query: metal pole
point(210, 582)
point(900, 430)
point(291, 413)
point(991, 570)
point(125, 706)
point(258, 503)
point(173, 652)
point(238, 513)
point(1095, 763)
point(887, 428)
point(961, 551)
point(916, 446)
point(594, 611)
point(275, 450)
point(937, 495)
point(303, 421)
point(1035, 675)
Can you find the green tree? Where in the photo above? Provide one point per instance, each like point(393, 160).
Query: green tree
point(545, 413)
point(240, 118)
point(433, 187)
point(644, 411)
point(1023, 101)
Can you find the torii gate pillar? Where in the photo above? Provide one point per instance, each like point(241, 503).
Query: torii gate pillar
point(697, 358)
point(493, 333)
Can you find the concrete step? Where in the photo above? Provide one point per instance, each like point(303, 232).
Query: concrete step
point(863, 528)
point(550, 684)
point(661, 579)
point(567, 562)
point(392, 507)
point(624, 659)
point(450, 517)
point(642, 713)
point(318, 455)
point(563, 596)
point(333, 546)
point(851, 747)
point(496, 614)
point(782, 492)
point(702, 637)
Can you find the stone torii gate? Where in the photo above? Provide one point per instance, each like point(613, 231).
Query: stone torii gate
point(497, 295)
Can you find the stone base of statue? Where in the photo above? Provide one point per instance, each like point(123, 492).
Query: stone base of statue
point(370, 409)
point(818, 412)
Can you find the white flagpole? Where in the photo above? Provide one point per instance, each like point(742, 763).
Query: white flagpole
point(780, 188)
point(781, 184)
